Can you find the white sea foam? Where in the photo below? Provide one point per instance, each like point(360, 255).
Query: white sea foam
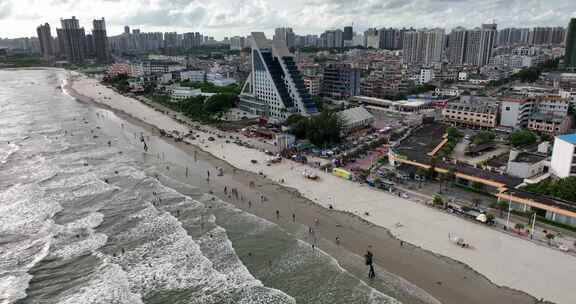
point(13, 287)
point(5, 153)
point(109, 286)
point(26, 229)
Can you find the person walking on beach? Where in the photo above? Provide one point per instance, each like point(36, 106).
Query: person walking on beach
point(225, 190)
point(293, 218)
point(208, 175)
point(369, 258)
point(249, 204)
point(277, 214)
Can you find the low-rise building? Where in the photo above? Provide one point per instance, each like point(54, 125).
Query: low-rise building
point(526, 164)
point(375, 105)
point(515, 112)
point(355, 119)
point(149, 67)
point(447, 91)
point(471, 113)
point(549, 123)
point(180, 93)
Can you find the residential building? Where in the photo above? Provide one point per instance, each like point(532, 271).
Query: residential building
point(570, 57)
point(479, 45)
point(340, 81)
point(236, 43)
point(72, 39)
point(426, 75)
point(547, 36)
point(457, 45)
point(100, 41)
point(471, 112)
point(149, 67)
point(313, 84)
point(549, 123)
point(348, 36)
point(275, 88)
point(423, 47)
point(563, 163)
point(285, 34)
point(513, 36)
point(515, 112)
point(46, 41)
point(372, 38)
point(171, 40)
point(548, 114)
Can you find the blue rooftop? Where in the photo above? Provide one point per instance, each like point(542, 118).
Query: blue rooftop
point(571, 138)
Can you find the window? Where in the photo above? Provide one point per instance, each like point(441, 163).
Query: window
point(507, 108)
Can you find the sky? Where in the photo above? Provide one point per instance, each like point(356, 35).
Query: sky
point(224, 18)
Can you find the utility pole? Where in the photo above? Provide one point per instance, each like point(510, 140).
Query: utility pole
point(533, 226)
point(508, 217)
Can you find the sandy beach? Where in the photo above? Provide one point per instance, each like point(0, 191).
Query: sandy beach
point(504, 260)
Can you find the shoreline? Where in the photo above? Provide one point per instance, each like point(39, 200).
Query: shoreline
point(450, 272)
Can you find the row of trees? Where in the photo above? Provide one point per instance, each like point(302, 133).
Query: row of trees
point(323, 130)
point(483, 137)
point(199, 108)
point(564, 188)
point(522, 137)
point(208, 87)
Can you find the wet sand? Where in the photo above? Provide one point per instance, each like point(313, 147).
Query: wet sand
point(445, 279)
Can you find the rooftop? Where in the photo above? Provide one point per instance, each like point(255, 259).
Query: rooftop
point(530, 158)
point(353, 115)
point(425, 138)
point(571, 138)
point(543, 199)
point(547, 117)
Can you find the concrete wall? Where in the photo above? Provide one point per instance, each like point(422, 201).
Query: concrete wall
point(562, 158)
point(510, 111)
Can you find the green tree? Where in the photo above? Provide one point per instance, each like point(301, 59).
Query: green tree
point(522, 137)
point(483, 137)
point(438, 201)
point(562, 188)
point(218, 103)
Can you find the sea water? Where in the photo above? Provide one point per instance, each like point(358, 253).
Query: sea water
point(84, 221)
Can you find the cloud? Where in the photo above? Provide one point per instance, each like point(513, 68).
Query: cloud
point(5, 8)
point(222, 18)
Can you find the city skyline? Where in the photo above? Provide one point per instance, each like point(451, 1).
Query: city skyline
point(219, 19)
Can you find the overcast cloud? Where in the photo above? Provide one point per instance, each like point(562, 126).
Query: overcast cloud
point(221, 18)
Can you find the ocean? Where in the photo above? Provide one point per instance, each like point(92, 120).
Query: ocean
point(86, 216)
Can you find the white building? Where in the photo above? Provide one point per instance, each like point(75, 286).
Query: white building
point(356, 118)
point(448, 91)
point(149, 67)
point(180, 93)
point(236, 43)
point(462, 76)
point(426, 75)
point(219, 80)
point(563, 156)
point(274, 89)
point(525, 165)
point(193, 76)
point(515, 112)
